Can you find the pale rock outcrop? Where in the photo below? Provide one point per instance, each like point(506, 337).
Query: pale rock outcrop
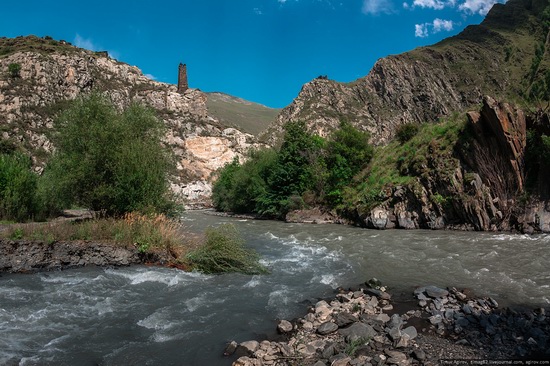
point(48, 79)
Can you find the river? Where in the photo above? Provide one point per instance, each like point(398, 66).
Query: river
point(157, 316)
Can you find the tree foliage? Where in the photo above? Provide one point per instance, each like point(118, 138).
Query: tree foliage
point(18, 199)
point(406, 132)
point(272, 183)
point(108, 161)
point(348, 151)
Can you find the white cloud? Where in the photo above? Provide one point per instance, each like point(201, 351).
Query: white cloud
point(438, 25)
point(431, 4)
point(377, 6)
point(257, 11)
point(282, 1)
point(481, 7)
point(86, 43)
point(421, 30)
point(150, 76)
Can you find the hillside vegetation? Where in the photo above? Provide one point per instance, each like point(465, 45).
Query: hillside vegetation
point(247, 116)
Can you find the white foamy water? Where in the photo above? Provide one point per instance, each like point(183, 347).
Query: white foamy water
point(157, 316)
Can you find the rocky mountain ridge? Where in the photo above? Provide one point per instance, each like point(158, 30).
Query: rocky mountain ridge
point(54, 72)
point(493, 58)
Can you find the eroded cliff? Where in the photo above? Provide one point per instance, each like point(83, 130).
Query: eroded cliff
point(54, 72)
point(482, 181)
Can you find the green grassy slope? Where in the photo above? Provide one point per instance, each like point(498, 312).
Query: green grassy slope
point(247, 116)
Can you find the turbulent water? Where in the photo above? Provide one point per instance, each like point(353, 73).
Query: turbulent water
point(157, 316)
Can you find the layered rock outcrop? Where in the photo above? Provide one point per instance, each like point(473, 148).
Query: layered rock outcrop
point(30, 256)
point(52, 73)
point(486, 189)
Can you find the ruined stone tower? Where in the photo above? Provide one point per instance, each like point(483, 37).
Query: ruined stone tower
point(182, 78)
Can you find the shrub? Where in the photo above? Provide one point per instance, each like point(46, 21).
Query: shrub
point(18, 200)
point(406, 132)
point(108, 161)
point(348, 150)
point(223, 252)
point(14, 70)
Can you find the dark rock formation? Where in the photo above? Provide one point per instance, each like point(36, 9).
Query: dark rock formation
point(485, 187)
point(30, 256)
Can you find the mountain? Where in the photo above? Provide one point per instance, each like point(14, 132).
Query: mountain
point(247, 116)
point(51, 73)
point(502, 57)
point(478, 104)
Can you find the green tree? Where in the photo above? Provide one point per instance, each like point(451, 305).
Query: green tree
point(348, 150)
point(292, 173)
point(222, 191)
point(108, 161)
point(18, 184)
point(242, 188)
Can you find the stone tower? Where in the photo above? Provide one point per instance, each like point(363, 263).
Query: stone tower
point(182, 78)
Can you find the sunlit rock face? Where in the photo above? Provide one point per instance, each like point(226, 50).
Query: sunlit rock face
point(53, 73)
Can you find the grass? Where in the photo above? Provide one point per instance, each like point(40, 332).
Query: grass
point(221, 251)
point(403, 163)
point(146, 232)
point(249, 117)
point(354, 345)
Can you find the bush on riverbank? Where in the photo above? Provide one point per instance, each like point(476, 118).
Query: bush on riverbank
point(18, 187)
point(108, 161)
point(224, 252)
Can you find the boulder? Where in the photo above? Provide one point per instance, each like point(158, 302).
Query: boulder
point(358, 330)
point(284, 326)
point(410, 331)
point(380, 294)
point(327, 328)
point(435, 292)
point(344, 319)
point(230, 348)
point(247, 348)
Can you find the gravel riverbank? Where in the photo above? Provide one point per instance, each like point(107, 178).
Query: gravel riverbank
point(363, 327)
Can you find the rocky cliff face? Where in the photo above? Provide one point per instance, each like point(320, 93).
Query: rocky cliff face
point(482, 186)
point(53, 73)
point(423, 85)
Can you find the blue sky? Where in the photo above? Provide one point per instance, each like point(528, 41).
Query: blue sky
point(260, 50)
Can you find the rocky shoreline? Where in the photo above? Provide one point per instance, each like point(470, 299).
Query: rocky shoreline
point(27, 256)
point(363, 327)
